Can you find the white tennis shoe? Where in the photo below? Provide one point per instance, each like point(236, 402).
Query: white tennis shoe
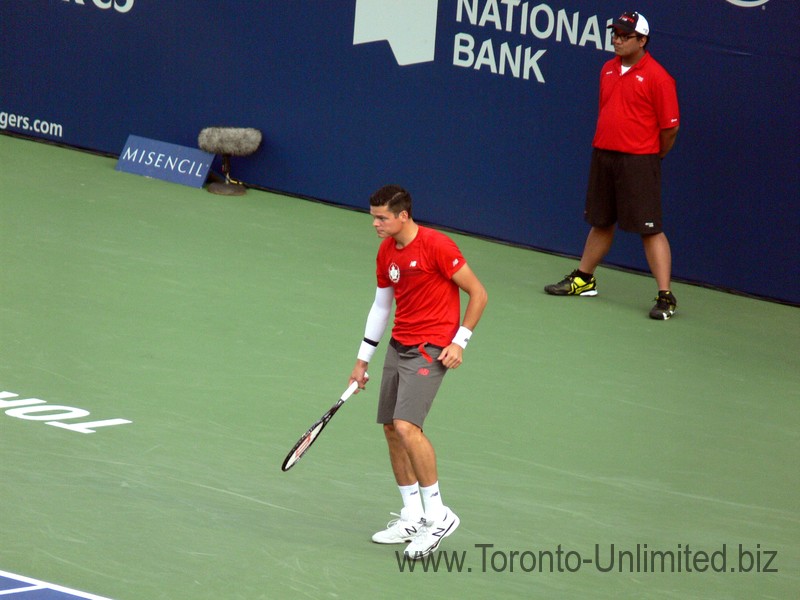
point(400, 530)
point(431, 534)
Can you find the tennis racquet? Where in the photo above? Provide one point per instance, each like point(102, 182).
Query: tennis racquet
point(308, 438)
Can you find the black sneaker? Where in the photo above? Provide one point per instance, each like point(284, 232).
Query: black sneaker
point(573, 285)
point(665, 307)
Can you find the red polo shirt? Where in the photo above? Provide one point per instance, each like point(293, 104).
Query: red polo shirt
point(635, 106)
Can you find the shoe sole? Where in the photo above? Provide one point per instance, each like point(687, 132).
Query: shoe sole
point(400, 541)
point(588, 293)
point(663, 316)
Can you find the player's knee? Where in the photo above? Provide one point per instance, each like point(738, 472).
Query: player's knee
point(405, 430)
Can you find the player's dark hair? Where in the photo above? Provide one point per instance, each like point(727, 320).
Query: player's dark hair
point(393, 197)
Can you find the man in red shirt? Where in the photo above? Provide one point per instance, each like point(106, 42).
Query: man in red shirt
point(422, 271)
point(637, 124)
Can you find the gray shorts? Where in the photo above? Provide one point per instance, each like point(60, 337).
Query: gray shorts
point(409, 383)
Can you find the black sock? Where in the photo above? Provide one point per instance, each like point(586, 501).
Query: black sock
point(585, 276)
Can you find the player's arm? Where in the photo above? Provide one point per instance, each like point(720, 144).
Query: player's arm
point(465, 278)
point(668, 137)
point(377, 320)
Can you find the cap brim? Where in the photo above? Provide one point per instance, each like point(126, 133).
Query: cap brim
point(623, 26)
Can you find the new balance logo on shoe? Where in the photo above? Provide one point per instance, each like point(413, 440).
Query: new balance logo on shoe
point(431, 534)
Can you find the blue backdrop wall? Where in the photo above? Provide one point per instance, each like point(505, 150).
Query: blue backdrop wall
point(484, 109)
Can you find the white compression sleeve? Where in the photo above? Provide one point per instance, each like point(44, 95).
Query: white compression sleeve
point(377, 320)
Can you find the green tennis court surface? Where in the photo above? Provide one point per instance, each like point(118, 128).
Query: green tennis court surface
point(589, 451)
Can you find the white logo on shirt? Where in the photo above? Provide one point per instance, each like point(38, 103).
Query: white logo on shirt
point(394, 273)
point(413, 263)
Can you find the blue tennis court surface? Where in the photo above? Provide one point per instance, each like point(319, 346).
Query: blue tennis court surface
point(25, 588)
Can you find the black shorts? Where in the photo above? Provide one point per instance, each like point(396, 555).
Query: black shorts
point(624, 189)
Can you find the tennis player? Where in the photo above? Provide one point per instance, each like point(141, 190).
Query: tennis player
point(422, 271)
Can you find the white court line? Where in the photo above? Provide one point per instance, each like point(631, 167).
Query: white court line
point(39, 585)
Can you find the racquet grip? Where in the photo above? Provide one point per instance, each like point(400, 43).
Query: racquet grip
point(350, 390)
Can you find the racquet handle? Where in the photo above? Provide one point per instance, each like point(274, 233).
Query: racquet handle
point(350, 390)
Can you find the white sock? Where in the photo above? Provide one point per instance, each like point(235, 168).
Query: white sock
point(412, 501)
point(434, 509)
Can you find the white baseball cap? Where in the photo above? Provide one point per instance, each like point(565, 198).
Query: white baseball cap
point(632, 22)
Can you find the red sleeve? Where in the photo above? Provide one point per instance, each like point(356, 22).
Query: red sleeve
point(381, 270)
point(449, 257)
point(666, 103)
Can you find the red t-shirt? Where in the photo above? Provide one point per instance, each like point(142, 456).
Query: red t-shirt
point(428, 302)
point(635, 107)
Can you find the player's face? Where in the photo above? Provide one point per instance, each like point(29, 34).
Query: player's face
point(626, 44)
point(385, 222)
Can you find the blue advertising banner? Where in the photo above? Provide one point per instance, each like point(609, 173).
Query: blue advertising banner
point(170, 162)
point(484, 109)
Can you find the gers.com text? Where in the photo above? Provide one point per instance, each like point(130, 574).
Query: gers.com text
point(25, 124)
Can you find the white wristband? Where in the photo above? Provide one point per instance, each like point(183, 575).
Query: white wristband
point(462, 336)
point(366, 351)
